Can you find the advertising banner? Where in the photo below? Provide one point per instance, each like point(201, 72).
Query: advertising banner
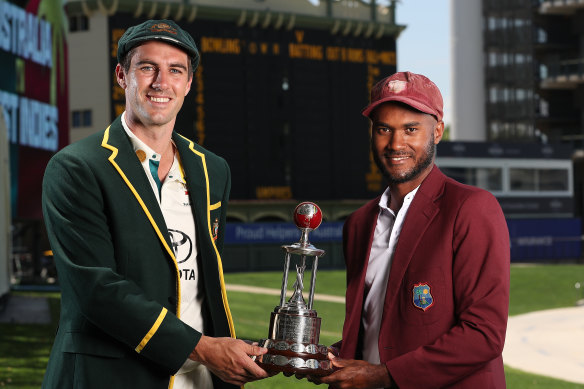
point(5, 219)
point(33, 94)
point(279, 233)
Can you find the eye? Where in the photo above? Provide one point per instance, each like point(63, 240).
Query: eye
point(147, 68)
point(411, 130)
point(176, 71)
point(382, 129)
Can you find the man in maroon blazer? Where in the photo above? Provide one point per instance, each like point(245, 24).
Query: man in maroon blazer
point(427, 262)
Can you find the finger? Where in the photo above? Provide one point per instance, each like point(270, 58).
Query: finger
point(255, 350)
point(315, 380)
point(328, 379)
point(253, 370)
point(250, 342)
point(234, 379)
point(244, 377)
point(339, 362)
point(336, 361)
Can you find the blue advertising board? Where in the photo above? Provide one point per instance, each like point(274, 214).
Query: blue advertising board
point(531, 239)
point(545, 239)
point(280, 233)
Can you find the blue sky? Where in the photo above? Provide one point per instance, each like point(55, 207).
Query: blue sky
point(424, 46)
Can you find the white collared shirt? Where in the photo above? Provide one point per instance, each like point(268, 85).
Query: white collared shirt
point(175, 204)
point(385, 238)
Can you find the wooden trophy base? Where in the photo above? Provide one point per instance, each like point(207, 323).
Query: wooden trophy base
point(295, 358)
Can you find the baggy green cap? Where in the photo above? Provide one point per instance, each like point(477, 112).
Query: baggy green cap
point(160, 30)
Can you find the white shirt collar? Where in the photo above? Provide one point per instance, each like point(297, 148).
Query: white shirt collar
point(386, 196)
point(137, 143)
point(145, 153)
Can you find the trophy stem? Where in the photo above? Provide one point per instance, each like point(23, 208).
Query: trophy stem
point(304, 237)
point(312, 282)
point(285, 280)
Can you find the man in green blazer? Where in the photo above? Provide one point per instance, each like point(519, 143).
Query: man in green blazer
point(135, 216)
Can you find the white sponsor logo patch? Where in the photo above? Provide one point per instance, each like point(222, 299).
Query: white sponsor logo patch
point(396, 86)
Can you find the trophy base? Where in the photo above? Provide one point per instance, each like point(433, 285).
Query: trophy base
point(295, 358)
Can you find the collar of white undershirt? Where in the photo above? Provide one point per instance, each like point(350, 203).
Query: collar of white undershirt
point(137, 143)
point(175, 172)
point(386, 196)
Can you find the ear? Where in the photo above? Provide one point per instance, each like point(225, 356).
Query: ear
point(121, 76)
point(189, 85)
point(438, 132)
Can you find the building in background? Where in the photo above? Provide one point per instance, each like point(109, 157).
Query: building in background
point(518, 70)
point(518, 89)
point(467, 76)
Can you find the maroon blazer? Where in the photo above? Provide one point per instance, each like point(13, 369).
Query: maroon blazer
point(446, 306)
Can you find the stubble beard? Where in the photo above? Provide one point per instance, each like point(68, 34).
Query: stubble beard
point(409, 175)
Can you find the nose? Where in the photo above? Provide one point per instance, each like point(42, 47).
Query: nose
point(396, 141)
point(160, 80)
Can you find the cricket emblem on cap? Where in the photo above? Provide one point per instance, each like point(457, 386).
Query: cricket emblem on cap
point(396, 86)
point(163, 27)
point(422, 298)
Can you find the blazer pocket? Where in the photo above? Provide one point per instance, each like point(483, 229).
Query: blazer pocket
point(84, 343)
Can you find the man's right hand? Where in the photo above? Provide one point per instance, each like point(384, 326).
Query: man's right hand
point(229, 359)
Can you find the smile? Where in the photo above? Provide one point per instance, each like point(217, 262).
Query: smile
point(159, 99)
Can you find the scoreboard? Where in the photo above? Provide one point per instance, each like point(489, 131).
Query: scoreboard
point(281, 106)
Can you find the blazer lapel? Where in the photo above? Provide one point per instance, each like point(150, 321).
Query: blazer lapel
point(420, 214)
point(367, 239)
point(195, 174)
point(128, 166)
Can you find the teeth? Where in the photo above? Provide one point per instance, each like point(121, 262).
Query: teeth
point(160, 99)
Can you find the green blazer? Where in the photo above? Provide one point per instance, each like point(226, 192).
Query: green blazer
point(119, 326)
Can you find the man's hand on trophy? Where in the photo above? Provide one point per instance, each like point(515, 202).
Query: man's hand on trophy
point(356, 374)
point(229, 359)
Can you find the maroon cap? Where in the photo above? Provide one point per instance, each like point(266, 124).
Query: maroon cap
point(412, 89)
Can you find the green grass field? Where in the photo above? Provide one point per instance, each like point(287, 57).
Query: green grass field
point(24, 349)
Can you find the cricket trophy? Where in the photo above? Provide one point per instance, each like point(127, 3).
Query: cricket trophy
point(294, 326)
